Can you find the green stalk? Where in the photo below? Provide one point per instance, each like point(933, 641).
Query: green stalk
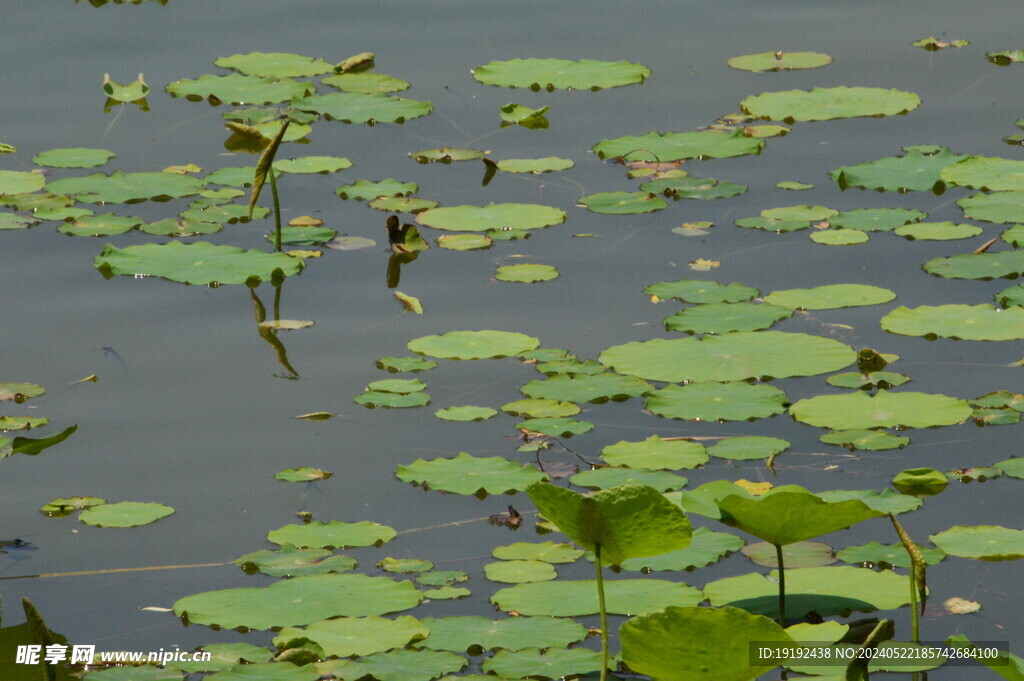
point(915, 620)
point(604, 613)
point(782, 586)
point(277, 211)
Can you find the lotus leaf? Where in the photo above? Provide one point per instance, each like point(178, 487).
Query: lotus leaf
point(16, 182)
point(830, 297)
point(289, 561)
point(555, 663)
point(587, 388)
point(541, 408)
point(241, 176)
point(779, 61)
point(934, 44)
point(348, 636)
point(824, 104)
point(1000, 398)
point(1006, 664)
point(507, 234)
point(222, 656)
point(32, 202)
point(547, 551)
point(995, 417)
point(791, 514)
point(656, 453)
point(826, 590)
point(73, 158)
point(794, 186)
point(238, 89)
point(403, 386)
point(706, 547)
point(603, 478)
point(174, 228)
point(772, 224)
point(676, 146)
point(21, 422)
point(622, 203)
point(404, 565)
point(839, 237)
point(447, 155)
point(32, 446)
point(959, 322)
point(465, 474)
point(989, 174)
point(893, 554)
point(548, 164)
point(459, 634)
point(876, 219)
point(880, 379)
point(801, 554)
point(1013, 236)
point(693, 188)
point(269, 671)
point(313, 164)
point(366, 83)
point(365, 189)
point(524, 116)
point(571, 366)
point(304, 474)
point(995, 207)
point(229, 213)
point(356, 107)
point(984, 542)
point(467, 413)
point(918, 170)
point(124, 514)
point(525, 273)
point(560, 74)
point(1014, 467)
point(710, 401)
point(699, 291)
point(473, 344)
point(61, 506)
point(304, 236)
point(388, 400)
point(726, 317)
point(275, 65)
point(332, 534)
point(15, 221)
point(575, 598)
point(1006, 57)
point(441, 577)
point(519, 571)
point(397, 665)
point(748, 448)
point(885, 501)
point(698, 644)
point(446, 593)
point(410, 364)
point(494, 216)
point(19, 392)
point(198, 263)
point(556, 427)
point(402, 204)
point(884, 410)
point(801, 213)
point(938, 231)
point(122, 187)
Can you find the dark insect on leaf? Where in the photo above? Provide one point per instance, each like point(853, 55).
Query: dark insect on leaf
point(512, 520)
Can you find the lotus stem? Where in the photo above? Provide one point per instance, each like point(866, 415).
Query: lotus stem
point(604, 613)
point(782, 586)
point(277, 211)
point(915, 619)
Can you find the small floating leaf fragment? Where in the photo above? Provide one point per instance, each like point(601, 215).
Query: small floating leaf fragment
point(779, 61)
point(405, 565)
point(65, 506)
point(7, 149)
point(934, 44)
point(793, 185)
point(410, 303)
point(961, 606)
point(447, 155)
point(312, 164)
point(403, 386)
point(316, 416)
point(333, 534)
point(693, 228)
point(1005, 58)
point(183, 169)
point(676, 146)
point(388, 400)
point(305, 221)
point(286, 324)
point(703, 265)
point(303, 474)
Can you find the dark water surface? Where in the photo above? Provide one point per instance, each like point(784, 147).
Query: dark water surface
point(192, 410)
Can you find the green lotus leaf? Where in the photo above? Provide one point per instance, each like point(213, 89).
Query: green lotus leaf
point(693, 188)
point(587, 388)
point(289, 561)
point(839, 237)
point(830, 297)
point(16, 182)
point(446, 593)
point(441, 577)
point(33, 202)
point(356, 107)
point(918, 170)
point(366, 83)
point(698, 291)
point(779, 61)
point(507, 234)
point(197, 263)
point(496, 216)
point(1006, 57)
point(986, 173)
point(959, 322)
point(304, 236)
point(73, 158)
point(631, 521)
point(893, 554)
point(447, 155)
point(303, 474)
point(547, 551)
point(876, 219)
point(1006, 664)
point(348, 636)
point(65, 506)
point(32, 446)
point(363, 190)
point(1013, 236)
point(622, 203)
point(562, 598)
point(228, 213)
point(15, 221)
point(603, 478)
point(706, 547)
point(21, 422)
point(655, 453)
point(1003, 207)
point(519, 571)
point(978, 265)
point(772, 224)
point(122, 187)
point(405, 565)
point(540, 408)
point(825, 104)
point(275, 65)
point(334, 534)
point(313, 164)
point(934, 44)
point(984, 542)
point(299, 601)
point(397, 665)
point(7, 149)
point(402, 386)
point(937, 231)
point(389, 400)
point(555, 663)
point(571, 366)
point(826, 590)
point(677, 146)
point(464, 242)
point(560, 74)
point(729, 357)
point(748, 448)
point(979, 473)
point(858, 381)
point(790, 514)
point(237, 89)
point(802, 212)
point(1014, 467)
point(466, 413)
point(556, 427)
point(465, 474)
point(175, 228)
point(792, 185)
point(402, 204)
point(995, 417)
point(1000, 398)
point(884, 410)
point(710, 401)
point(124, 514)
point(886, 501)
point(473, 344)
point(801, 554)
point(264, 671)
point(548, 164)
point(459, 634)
point(525, 273)
point(726, 317)
point(223, 656)
point(402, 364)
point(698, 644)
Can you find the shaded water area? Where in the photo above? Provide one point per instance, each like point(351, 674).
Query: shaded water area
point(193, 408)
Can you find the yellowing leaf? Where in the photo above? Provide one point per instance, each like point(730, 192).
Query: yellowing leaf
point(703, 265)
point(412, 304)
point(183, 170)
point(755, 488)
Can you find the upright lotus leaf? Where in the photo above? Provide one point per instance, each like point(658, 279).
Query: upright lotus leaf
point(698, 644)
point(73, 158)
point(830, 297)
point(366, 83)
point(824, 104)
point(959, 322)
point(986, 173)
point(676, 146)
point(706, 547)
point(473, 344)
point(983, 542)
point(275, 65)
point(459, 634)
point(978, 265)
point(886, 409)
point(356, 107)
point(466, 474)
point(918, 170)
point(779, 61)
point(1004, 207)
point(495, 216)
point(197, 263)
point(122, 187)
point(237, 89)
point(711, 401)
point(348, 636)
point(560, 74)
point(701, 291)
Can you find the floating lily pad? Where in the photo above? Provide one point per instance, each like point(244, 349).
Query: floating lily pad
point(541, 408)
point(122, 187)
point(869, 381)
point(996, 417)
point(402, 204)
point(604, 478)
point(366, 83)
point(801, 554)
point(793, 185)
point(876, 219)
point(571, 366)
point(447, 155)
point(350, 243)
point(356, 107)
point(16, 182)
point(587, 388)
point(554, 663)
point(934, 44)
point(465, 474)
point(978, 265)
point(622, 203)
point(496, 216)
point(706, 547)
point(473, 344)
point(699, 291)
point(198, 263)
point(823, 104)
point(467, 413)
point(563, 598)
point(726, 317)
point(519, 571)
point(987, 173)
point(77, 157)
point(1014, 467)
point(560, 74)
point(446, 593)
point(676, 146)
point(772, 224)
point(1003, 207)
point(275, 65)
point(238, 89)
point(389, 400)
point(405, 565)
point(177, 228)
point(548, 164)
point(409, 364)
point(556, 427)
point(709, 401)
point(830, 297)
point(1000, 398)
point(124, 514)
point(547, 551)
point(1013, 236)
point(704, 188)
point(348, 636)
point(918, 170)
point(396, 665)
point(15, 221)
point(289, 561)
point(459, 634)
point(313, 164)
point(883, 410)
point(960, 322)
point(802, 212)
point(240, 176)
point(334, 534)
point(65, 506)
point(893, 554)
point(984, 542)
point(304, 236)
point(938, 231)
point(303, 474)
point(525, 273)
point(21, 422)
point(886, 501)
point(730, 357)
point(19, 392)
point(748, 448)
point(779, 61)
point(656, 454)
point(402, 386)
point(363, 190)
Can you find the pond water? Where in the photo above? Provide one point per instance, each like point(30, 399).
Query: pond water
point(194, 409)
